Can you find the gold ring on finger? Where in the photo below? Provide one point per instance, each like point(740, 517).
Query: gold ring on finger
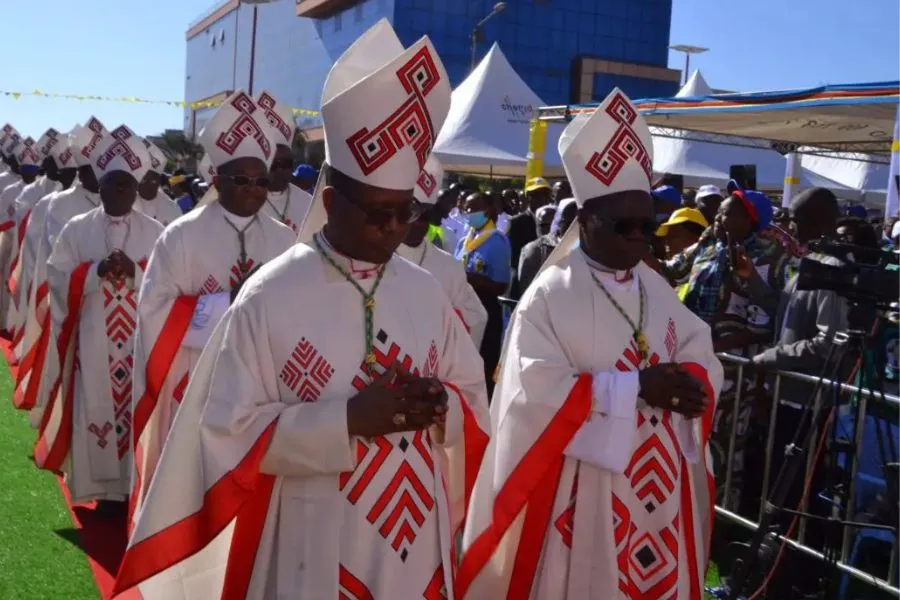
point(675, 401)
point(399, 419)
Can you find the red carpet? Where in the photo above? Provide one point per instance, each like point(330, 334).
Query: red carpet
point(103, 539)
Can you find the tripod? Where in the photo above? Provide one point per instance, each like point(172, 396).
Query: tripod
point(853, 344)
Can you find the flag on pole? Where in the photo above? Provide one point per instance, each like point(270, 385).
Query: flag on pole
point(892, 207)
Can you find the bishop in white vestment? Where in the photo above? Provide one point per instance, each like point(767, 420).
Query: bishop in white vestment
point(40, 361)
point(295, 465)
point(286, 202)
point(196, 267)
point(597, 483)
point(152, 201)
point(94, 273)
point(447, 270)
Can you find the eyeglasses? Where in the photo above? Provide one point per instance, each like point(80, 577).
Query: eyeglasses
point(646, 227)
point(382, 217)
point(243, 180)
point(282, 163)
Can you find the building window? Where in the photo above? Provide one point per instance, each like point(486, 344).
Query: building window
point(337, 22)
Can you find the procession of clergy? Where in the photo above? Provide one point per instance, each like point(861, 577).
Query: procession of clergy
point(286, 388)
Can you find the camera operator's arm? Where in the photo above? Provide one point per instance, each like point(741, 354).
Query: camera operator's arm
point(809, 352)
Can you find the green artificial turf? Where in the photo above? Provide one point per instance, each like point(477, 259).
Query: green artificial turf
point(37, 559)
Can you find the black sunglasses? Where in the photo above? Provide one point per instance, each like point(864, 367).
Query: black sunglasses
point(243, 180)
point(382, 217)
point(623, 227)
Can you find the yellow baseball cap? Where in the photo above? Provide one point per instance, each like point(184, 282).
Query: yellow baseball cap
point(536, 183)
point(682, 215)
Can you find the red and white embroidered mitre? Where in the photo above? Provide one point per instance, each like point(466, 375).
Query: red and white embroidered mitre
point(27, 153)
point(47, 142)
point(238, 129)
point(280, 117)
point(157, 158)
point(62, 153)
point(122, 150)
point(429, 182)
point(85, 141)
point(607, 151)
point(382, 108)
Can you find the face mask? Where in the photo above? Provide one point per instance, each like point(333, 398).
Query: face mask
point(477, 219)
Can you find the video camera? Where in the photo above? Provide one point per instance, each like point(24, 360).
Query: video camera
point(862, 278)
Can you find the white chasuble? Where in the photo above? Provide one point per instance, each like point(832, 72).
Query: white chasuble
point(8, 240)
point(288, 207)
point(586, 492)
point(23, 272)
point(260, 447)
point(40, 361)
point(186, 289)
point(452, 276)
point(86, 429)
point(160, 208)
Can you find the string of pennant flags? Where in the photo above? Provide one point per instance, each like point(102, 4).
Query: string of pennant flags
point(303, 112)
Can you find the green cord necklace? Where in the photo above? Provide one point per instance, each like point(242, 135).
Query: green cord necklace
point(368, 299)
point(637, 330)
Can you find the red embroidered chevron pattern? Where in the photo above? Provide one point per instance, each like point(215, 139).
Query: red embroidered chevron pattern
point(671, 339)
point(121, 307)
point(369, 459)
point(411, 501)
point(120, 310)
point(239, 274)
point(306, 372)
point(566, 520)
point(350, 587)
point(437, 586)
point(120, 383)
point(383, 360)
point(432, 362)
point(211, 286)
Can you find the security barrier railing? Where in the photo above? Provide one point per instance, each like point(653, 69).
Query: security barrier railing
point(729, 513)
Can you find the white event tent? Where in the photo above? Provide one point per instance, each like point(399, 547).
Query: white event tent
point(487, 128)
point(855, 170)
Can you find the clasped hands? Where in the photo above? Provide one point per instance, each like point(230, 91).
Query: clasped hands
point(116, 267)
point(669, 386)
point(398, 401)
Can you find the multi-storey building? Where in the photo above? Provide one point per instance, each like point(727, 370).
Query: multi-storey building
point(565, 50)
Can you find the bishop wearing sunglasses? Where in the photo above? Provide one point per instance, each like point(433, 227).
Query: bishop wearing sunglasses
point(606, 391)
point(340, 394)
point(195, 270)
point(286, 202)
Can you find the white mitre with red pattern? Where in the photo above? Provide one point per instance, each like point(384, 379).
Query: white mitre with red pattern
point(607, 151)
point(206, 170)
point(157, 158)
point(5, 131)
point(27, 153)
point(47, 142)
point(62, 153)
point(10, 142)
point(429, 182)
point(382, 108)
point(122, 150)
point(239, 129)
point(280, 117)
point(85, 141)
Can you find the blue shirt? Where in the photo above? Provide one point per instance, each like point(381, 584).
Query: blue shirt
point(491, 258)
point(186, 203)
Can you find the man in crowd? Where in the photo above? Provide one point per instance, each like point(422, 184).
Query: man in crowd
point(287, 203)
point(536, 253)
point(446, 269)
point(523, 227)
point(305, 177)
point(322, 412)
point(196, 268)
point(485, 253)
point(180, 184)
point(682, 230)
point(707, 201)
point(40, 362)
point(607, 388)
point(151, 201)
point(94, 273)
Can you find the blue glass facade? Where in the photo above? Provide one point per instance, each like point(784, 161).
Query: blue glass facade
point(541, 38)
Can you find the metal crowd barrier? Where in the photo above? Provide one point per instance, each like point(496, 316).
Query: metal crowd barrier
point(726, 512)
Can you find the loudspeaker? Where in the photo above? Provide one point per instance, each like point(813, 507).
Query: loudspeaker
point(744, 175)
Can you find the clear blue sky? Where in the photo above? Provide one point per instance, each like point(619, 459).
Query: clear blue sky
point(136, 48)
